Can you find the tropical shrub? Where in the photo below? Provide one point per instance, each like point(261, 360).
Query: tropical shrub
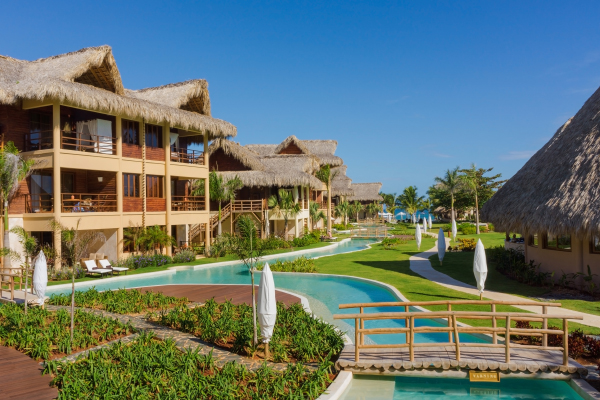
point(301, 264)
point(392, 243)
point(512, 264)
point(153, 369)
point(184, 256)
point(119, 301)
point(341, 227)
point(297, 335)
point(466, 244)
point(42, 334)
point(66, 273)
point(304, 241)
point(144, 261)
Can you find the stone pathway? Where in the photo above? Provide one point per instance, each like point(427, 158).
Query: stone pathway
point(420, 264)
point(182, 340)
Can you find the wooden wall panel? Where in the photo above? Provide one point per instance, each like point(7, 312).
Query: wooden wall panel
point(155, 154)
point(17, 204)
point(108, 184)
point(291, 149)
point(132, 150)
point(15, 124)
point(133, 204)
point(155, 204)
point(219, 161)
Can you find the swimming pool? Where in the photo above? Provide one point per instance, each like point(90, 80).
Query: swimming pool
point(324, 292)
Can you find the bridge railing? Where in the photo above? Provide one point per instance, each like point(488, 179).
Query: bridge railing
point(454, 330)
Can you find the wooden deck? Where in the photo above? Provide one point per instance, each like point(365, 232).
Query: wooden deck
point(22, 377)
point(237, 294)
point(390, 360)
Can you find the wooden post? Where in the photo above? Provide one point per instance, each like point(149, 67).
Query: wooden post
point(507, 340)
point(362, 326)
point(494, 325)
point(449, 324)
point(565, 342)
point(412, 339)
point(356, 339)
point(406, 321)
point(456, 337)
point(545, 326)
point(267, 351)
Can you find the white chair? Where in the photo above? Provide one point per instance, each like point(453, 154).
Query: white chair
point(90, 265)
point(104, 263)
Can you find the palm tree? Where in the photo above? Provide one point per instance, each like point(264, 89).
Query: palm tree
point(342, 210)
point(284, 206)
point(326, 175)
point(315, 214)
point(356, 208)
point(373, 208)
point(223, 191)
point(410, 200)
point(155, 236)
point(30, 245)
point(131, 236)
point(451, 183)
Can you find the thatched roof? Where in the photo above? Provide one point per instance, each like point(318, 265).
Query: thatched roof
point(365, 192)
point(280, 170)
point(89, 78)
point(190, 95)
point(558, 189)
point(322, 149)
point(340, 184)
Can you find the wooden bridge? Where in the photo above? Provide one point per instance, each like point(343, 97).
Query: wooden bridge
point(502, 355)
point(370, 232)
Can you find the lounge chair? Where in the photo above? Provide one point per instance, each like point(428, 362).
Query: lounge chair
point(91, 267)
point(104, 263)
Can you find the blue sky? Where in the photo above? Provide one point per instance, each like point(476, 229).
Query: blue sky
point(408, 89)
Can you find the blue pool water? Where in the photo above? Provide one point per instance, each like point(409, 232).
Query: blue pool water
point(324, 292)
point(405, 387)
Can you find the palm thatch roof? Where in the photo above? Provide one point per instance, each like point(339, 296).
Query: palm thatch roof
point(89, 78)
point(340, 184)
point(558, 189)
point(280, 170)
point(322, 149)
point(366, 192)
point(190, 95)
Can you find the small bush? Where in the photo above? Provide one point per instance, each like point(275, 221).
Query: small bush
point(468, 230)
point(65, 273)
point(301, 264)
point(512, 264)
point(466, 244)
point(184, 256)
point(304, 241)
point(341, 227)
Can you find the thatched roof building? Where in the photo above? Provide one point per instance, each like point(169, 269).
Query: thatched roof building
point(89, 78)
point(365, 192)
point(323, 150)
point(558, 189)
point(341, 184)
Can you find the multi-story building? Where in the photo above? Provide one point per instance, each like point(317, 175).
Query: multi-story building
point(106, 156)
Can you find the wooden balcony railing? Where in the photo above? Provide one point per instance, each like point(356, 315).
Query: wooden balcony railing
point(188, 203)
point(97, 143)
point(187, 156)
point(249, 205)
point(41, 140)
point(39, 203)
point(88, 202)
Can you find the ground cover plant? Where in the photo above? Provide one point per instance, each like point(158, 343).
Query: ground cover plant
point(43, 334)
point(119, 301)
point(300, 264)
point(297, 335)
point(153, 369)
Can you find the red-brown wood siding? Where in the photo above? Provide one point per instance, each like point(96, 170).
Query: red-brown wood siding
point(133, 204)
point(154, 204)
point(155, 154)
point(15, 124)
point(219, 161)
point(17, 204)
point(291, 149)
point(132, 150)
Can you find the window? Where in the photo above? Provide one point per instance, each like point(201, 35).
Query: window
point(43, 238)
point(558, 242)
point(534, 240)
point(595, 244)
point(67, 182)
point(40, 122)
point(153, 136)
point(130, 130)
point(154, 186)
point(131, 185)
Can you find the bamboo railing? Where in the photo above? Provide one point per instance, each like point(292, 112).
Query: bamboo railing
point(454, 329)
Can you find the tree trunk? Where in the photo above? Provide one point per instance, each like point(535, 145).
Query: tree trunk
point(219, 226)
point(476, 214)
point(329, 205)
point(26, 282)
point(72, 304)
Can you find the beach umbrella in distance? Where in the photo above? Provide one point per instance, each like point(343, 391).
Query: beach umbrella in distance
point(454, 229)
point(480, 269)
point(441, 245)
point(429, 221)
point(418, 236)
point(267, 306)
point(40, 277)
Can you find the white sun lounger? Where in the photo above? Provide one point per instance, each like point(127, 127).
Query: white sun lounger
point(90, 265)
point(106, 264)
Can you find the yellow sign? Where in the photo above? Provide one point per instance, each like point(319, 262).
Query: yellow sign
point(488, 376)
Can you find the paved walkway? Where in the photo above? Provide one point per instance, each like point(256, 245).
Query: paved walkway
point(420, 264)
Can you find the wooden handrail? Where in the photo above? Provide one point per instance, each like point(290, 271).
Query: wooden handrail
point(89, 202)
point(97, 143)
point(188, 203)
point(454, 329)
point(247, 205)
point(444, 302)
point(187, 156)
point(40, 140)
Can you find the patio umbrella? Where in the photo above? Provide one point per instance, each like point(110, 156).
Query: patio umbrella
point(454, 229)
point(429, 221)
point(40, 277)
point(424, 225)
point(267, 306)
point(441, 245)
point(418, 237)
point(480, 269)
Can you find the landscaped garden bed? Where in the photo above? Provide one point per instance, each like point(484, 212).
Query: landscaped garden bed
point(300, 264)
point(151, 368)
point(44, 335)
point(121, 301)
point(297, 335)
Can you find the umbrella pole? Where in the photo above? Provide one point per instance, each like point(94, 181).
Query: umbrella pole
point(481, 296)
point(267, 351)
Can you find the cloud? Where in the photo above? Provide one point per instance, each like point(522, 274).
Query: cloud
point(394, 101)
point(517, 155)
point(441, 155)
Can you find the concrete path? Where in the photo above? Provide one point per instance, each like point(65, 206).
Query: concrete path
point(420, 264)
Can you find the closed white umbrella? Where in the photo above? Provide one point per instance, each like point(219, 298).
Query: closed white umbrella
point(429, 221)
point(418, 237)
point(267, 223)
point(424, 225)
point(454, 230)
point(441, 245)
point(267, 306)
point(480, 269)
point(40, 277)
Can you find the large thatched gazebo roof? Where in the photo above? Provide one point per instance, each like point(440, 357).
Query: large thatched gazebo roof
point(89, 78)
point(323, 150)
point(558, 189)
point(365, 192)
point(341, 184)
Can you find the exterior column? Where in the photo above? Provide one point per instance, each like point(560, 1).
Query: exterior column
point(208, 230)
point(167, 146)
point(302, 196)
point(120, 242)
point(56, 190)
point(143, 176)
point(119, 186)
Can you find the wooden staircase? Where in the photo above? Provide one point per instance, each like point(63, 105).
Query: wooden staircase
point(197, 229)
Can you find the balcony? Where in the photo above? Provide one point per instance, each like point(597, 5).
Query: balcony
point(39, 203)
point(187, 156)
point(88, 202)
point(41, 140)
point(249, 205)
point(188, 203)
point(88, 143)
